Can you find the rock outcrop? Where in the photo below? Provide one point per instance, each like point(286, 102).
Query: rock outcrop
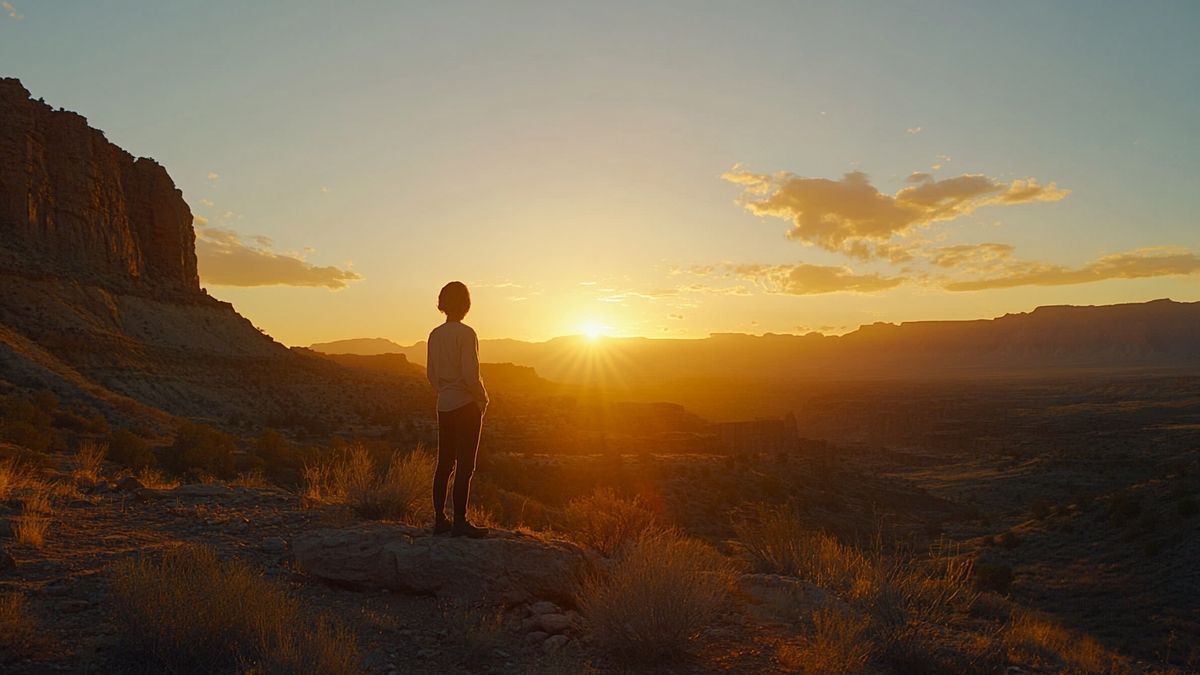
point(504, 568)
point(73, 205)
point(100, 301)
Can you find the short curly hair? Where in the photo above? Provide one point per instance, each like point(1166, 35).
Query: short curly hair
point(454, 300)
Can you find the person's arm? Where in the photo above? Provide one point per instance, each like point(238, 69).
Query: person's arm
point(430, 363)
point(470, 369)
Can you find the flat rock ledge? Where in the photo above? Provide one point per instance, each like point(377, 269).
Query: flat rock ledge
point(505, 568)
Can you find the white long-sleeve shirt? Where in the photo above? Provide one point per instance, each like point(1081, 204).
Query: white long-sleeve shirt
point(452, 366)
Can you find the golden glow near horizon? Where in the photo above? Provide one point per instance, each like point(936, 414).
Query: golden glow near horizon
point(657, 170)
point(593, 330)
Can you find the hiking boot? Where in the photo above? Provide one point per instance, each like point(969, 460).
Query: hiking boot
point(465, 529)
point(441, 526)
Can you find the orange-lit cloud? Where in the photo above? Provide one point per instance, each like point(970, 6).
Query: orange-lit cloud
point(853, 217)
point(11, 11)
point(805, 279)
point(226, 260)
point(1137, 264)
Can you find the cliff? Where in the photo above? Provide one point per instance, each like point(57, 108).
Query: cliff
point(73, 205)
point(101, 303)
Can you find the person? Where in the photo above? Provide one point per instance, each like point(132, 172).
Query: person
point(452, 366)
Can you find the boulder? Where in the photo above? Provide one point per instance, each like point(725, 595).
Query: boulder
point(505, 568)
point(780, 598)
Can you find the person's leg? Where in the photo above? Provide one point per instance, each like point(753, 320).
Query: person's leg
point(447, 432)
point(467, 446)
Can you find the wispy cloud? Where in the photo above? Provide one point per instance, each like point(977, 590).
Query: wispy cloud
point(225, 259)
point(1136, 264)
point(851, 216)
point(11, 11)
point(213, 177)
point(913, 131)
point(805, 279)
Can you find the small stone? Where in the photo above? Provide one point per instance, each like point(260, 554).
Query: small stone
point(543, 607)
point(555, 643)
point(7, 562)
point(553, 623)
point(500, 653)
point(536, 637)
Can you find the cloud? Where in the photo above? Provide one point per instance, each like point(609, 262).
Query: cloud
point(213, 176)
point(11, 11)
point(973, 256)
point(913, 131)
point(851, 216)
point(226, 260)
point(1136, 264)
point(805, 279)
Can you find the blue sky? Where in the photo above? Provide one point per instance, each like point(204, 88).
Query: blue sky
point(565, 159)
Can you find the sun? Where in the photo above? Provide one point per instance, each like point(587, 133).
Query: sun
point(592, 329)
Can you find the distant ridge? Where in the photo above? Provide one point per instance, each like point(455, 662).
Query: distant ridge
point(359, 347)
point(1157, 334)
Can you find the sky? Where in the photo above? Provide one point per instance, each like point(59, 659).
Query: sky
point(665, 169)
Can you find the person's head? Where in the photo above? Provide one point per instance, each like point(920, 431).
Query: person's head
point(454, 300)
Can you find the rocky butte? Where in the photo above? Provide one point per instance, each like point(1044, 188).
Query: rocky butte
point(100, 299)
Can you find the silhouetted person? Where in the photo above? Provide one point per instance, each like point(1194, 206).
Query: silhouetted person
point(452, 366)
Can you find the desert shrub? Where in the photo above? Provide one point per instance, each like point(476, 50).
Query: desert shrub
point(129, 449)
point(191, 612)
point(274, 449)
point(657, 597)
point(995, 577)
point(200, 448)
point(89, 459)
point(839, 643)
point(401, 492)
point(26, 435)
point(1037, 641)
point(18, 627)
point(607, 522)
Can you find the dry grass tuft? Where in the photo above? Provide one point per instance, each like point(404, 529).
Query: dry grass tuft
point(155, 479)
point(657, 597)
point(607, 522)
point(839, 643)
point(89, 459)
point(254, 479)
point(31, 529)
point(1037, 641)
point(192, 612)
point(401, 492)
point(781, 544)
point(15, 475)
point(18, 628)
